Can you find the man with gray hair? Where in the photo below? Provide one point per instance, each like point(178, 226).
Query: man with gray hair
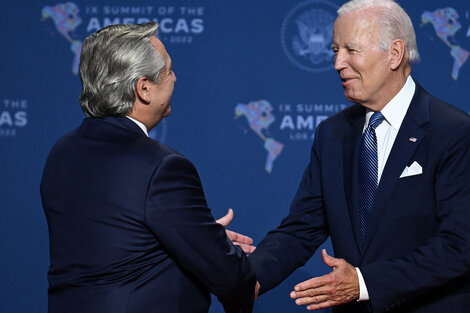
point(129, 226)
point(388, 181)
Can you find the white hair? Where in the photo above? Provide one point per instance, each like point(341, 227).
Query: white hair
point(393, 23)
point(111, 62)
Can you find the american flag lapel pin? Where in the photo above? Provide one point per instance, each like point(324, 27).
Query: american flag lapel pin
point(413, 139)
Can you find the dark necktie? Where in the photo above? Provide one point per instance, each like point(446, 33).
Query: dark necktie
point(368, 172)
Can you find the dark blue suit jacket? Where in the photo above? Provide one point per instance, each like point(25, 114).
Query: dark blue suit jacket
point(130, 230)
point(416, 257)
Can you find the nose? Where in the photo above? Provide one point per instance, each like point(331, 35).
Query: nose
point(174, 76)
point(340, 60)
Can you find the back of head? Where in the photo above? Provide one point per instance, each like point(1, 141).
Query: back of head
point(111, 62)
point(393, 23)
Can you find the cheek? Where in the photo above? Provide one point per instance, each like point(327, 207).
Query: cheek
point(374, 80)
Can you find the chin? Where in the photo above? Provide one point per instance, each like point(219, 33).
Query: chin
point(354, 100)
point(349, 98)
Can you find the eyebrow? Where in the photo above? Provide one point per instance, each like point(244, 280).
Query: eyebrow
point(351, 45)
point(347, 46)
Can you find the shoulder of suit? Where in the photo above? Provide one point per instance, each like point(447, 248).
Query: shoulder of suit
point(158, 147)
point(126, 133)
point(446, 114)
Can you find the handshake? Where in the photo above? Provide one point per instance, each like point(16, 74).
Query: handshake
point(340, 286)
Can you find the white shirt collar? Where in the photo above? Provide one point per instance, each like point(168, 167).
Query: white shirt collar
point(395, 111)
point(140, 124)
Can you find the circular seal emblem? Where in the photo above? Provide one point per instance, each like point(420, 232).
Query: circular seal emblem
point(158, 133)
point(307, 33)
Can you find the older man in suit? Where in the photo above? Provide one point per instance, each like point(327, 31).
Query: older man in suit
point(129, 226)
point(388, 181)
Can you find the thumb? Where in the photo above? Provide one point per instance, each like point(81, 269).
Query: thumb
point(226, 219)
point(328, 260)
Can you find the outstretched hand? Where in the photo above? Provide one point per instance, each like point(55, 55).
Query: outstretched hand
point(244, 242)
point(338, 287)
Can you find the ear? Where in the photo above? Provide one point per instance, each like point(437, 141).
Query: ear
point(142, 89)
point(396, 53)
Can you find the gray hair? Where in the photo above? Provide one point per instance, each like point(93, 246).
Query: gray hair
point(111, 62)
point(393, 23)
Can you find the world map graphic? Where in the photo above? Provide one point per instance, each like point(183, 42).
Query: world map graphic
point(259, 116)
point(446, 24)
point(66, 20)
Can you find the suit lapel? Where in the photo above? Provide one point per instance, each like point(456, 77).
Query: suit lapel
point(400, 156)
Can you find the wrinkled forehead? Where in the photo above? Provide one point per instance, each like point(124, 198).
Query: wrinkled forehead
point(355, 26)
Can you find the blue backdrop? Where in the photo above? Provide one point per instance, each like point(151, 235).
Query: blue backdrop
point(254, 80)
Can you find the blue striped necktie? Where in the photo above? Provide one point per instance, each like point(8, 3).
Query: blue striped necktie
point(368, 172)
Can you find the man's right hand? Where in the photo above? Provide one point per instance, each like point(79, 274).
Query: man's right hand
point(244, 242)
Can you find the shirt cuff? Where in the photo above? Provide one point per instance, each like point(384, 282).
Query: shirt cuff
point(363, 293)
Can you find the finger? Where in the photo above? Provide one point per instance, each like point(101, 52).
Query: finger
point(310, 284)
point(314, 292)
point(236, 237)
point(328, 260)
point(257, 288)
point(321, 305)
point(311, 300)
point(226, 219)
point(245, 248)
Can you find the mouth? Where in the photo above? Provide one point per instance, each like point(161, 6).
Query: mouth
point(346, 81)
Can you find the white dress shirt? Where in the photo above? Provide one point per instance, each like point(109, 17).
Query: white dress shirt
point(140, 124)
point(394, 112)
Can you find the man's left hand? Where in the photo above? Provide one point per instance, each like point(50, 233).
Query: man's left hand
point(338, 287)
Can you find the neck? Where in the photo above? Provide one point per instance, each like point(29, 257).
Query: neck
point(140, 113)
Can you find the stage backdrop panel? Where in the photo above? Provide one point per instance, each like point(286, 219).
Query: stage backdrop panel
point(254, 80)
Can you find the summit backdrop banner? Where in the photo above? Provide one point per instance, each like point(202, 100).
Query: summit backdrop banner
point(255, 78)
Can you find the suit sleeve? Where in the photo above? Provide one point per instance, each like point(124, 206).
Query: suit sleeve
point(444, 259)
point(300, 234)
point(177, 213)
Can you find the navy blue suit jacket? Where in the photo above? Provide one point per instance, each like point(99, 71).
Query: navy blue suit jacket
point(130, 230)
point(416, 257)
